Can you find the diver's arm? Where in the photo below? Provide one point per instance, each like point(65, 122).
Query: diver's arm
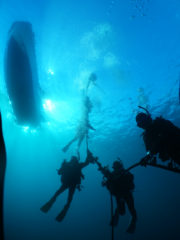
point(84, 164)
point(61, 169)
point(146, 159)
point(89, 159)
point(104, 170)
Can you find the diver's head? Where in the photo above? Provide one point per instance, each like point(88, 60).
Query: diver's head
point(93, 77)
point(118, 165)
point(143, 120)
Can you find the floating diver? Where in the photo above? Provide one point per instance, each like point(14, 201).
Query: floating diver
point(120, 183)
point(71, 175)
point(84, 125)
point(161, 137)
point(2, 175)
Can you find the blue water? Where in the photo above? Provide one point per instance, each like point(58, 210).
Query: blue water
point(133, 47)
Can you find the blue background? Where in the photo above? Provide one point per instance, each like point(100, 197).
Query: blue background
point(133, 47)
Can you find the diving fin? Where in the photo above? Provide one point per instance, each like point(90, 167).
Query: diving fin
point(62, 214)
point(64, 149)
point(132, 226)
point(46, 207)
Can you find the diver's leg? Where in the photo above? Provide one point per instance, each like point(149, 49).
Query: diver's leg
point(79, 144)
point(120, 209)
point(130, 203)
point(64, 149)
point(81, 138)
point(121, 206)
point(62, 214)
point(45, 208)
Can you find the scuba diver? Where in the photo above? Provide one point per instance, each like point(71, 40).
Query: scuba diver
point(71, 175)
point(120, 184)
point(84, 125)
point(161, 137)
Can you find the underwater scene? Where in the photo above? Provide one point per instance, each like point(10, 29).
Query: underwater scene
point(90, 107)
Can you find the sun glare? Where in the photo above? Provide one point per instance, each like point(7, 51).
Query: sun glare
point(50, 71)
point(48, 105)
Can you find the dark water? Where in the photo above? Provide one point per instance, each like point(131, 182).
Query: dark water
point(133, 47)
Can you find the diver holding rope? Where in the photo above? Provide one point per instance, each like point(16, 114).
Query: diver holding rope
point(71, 176)
point(161, 138)
point(120, 184)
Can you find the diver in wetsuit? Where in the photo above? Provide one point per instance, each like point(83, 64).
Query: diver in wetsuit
point(161, 137)
point(71, 176)
point(84, 125)
point(120, 184)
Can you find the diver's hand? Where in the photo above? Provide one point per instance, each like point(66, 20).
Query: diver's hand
point(144, 161)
